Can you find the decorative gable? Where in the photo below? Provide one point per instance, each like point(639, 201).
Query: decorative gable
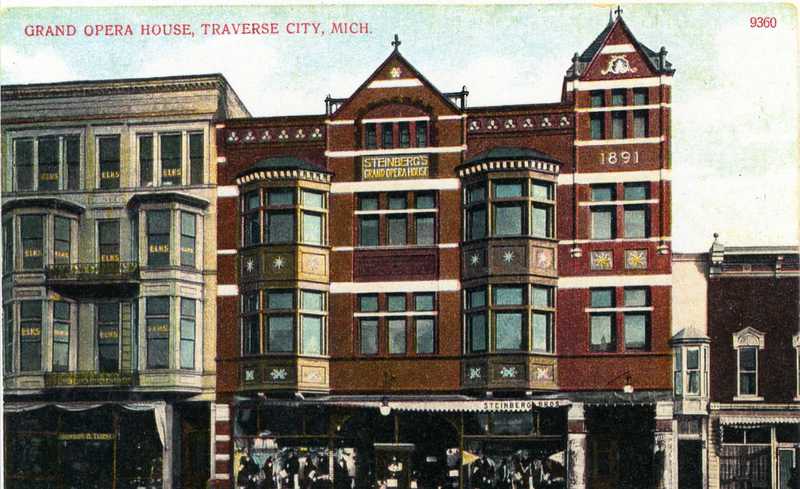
point(748, 337)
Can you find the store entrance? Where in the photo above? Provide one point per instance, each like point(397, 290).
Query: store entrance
point(393, 465)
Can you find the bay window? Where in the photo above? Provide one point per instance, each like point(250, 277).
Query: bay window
point(188, 239)
point(30, 335)
point(159, 224)
point(518, 208)
point(509, 213)
point(158, 320)
point(278, 216)
point(693, 371)
point(61, 240)
point(188, 332)
point(108, 333)
point(8, 338)
point(8, 246)
point(476, 320)
point(279, 321)
point(61, 333)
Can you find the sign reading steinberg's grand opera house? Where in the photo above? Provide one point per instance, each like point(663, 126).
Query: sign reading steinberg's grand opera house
point(394, 167)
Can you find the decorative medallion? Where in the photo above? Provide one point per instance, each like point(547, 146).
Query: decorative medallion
point(278, 262)
point(279, 374)
point(313, 263)
point(544, 258)
point(564, 121)
point(317, 133)
point(474, 260)
point(474, 125)
point(544, 373)
point(312, 375)
point(508, 256)
point(618, 65)
point(266, 136)
point(510, 124)
point(299, 134)
point(249, 137)
point(492, 124)
point(232, 137)
point(527, 123)
point(600, 260)
point(635, 259)
point(546, 122)
point(508, 372)
point(395, 72)
point(283, 135)
point(474, 373)
point(249, 375)
point(250, 265)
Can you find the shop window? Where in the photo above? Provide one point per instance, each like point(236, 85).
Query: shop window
point(57, 165)
point(542, 319)
point(109, 159)
point(312, 322)
point(108, 329)
point(748, 370)
point(618, 97)
point(371, 135)
point(61, 327)
point(251, 330)
point(640, 124)
point(636, 324)
point(188, 239)
point(401, 224)
point(8, 246)
point(108, 240)
point(159, 224)
point(30, 336)
point(188, 332)
point(61, 240)
point(8, 338)
point(387, 135)
point(602, 336)
point(640, 96)
point(596, 123)
point(32, 235)
point(596, 98)
point(157, 317)
point(618, 124)
point(368, 336)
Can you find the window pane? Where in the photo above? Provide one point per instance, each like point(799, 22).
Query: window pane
point(280, 197)
point(596, 98)
point(424, 229)
point(635, 331)
point(386, 135)
point(618, 97)
point(636, 191)
point(157, 306)
point(368, 303)
point(596, 126)
point(397, 230)
point(171, 171)
point(405, 135)
point(32, 230)
point(108, 241)
point(397, 202)
point(508, 326)
point(188, 310)
point(476, 193)
point(397, 336)
point(8, 246)
point(542, 296)
point(747, 383)
point(311, 301)
point(640, 124)
point(477, 332)
point(423, 302)
point(542, 190)
point(157, 353)
point(188, 234)
point(602, 193)
point(371, 135)
point(146, 161)
point(640, 96)
point(602, 334)
point(602, 224)
point(635, 222)
point(313, 199)
point(747, 359)
point(424, 336)
point(109, 162)
point(542, 323)
point(48, 163)
point(196, 158)
point(312, 335)
point(508, 219)
point(280, 334)
point(60, 350)
point(477, 224)
point(187, 354)
point(158, 227)
point(692, 359)
point(368, 231)
point(73, 153)
point(618, 123)
point(507, 295)
point(635, 297)
point(367, 203)
point(542, 221)
point(504, 190)
point(602, 297)
point(424, 201)
point(477, 298)
point(312, 228)
point(280, 227)
point(23, 163)
point(280, 300)
point(396, 302)
point(422, 133)
point(368, 336)
point(61, 240)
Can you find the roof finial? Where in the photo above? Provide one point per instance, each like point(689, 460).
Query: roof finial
point(396, 43)
point(618, 11)
point(611, 16)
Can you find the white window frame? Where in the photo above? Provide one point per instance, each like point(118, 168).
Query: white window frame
point(747, 338)
point(185, 130)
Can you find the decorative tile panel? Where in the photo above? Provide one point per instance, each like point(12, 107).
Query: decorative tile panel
point(636, 259)
point(601, 260)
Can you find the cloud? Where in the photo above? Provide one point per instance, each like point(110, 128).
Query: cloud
point(39, 66)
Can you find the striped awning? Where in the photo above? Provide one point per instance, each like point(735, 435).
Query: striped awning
point(759, 420)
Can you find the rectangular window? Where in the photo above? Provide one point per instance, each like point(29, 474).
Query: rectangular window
point(542, 319)
point(312, 227)
point(188, 321)
point(596, 125)
point(748, 371)
point(603, 193)
point(596, 98)
point(146, 161)
point(635, 219)
point(73, 156)
point(603, 223)
point(108, 336)
point(251, 331)
point(477, 332)
point(157, 318)
point(405, 135)
point(23, 163)
point(188, 239)
point(61, 240)
point(108, 241)
point(693, 371)
point(279, 226)
point(397, 228)
point(8, 338)
point(368, 303)
point(171, 157)
point(252, 218)
point(507, 190)
point(508, 219)
point(618, 124)
point(61, 322)
point(371, 136)
point(508, 328)
point(636, 191)
point(636, 297)
point(396, 302)
point(32, 231)
point(542, 221)
point(159, 224)
point(196, 158)
point(602, 337)
point(424, 335)
point(397, 336)
point(636, 331)
point(368, 336)
point(30, 336)
point(280, 334)
point(640, 96)
point(507, 295)
point(423, 302)
point(421, 128)
point(640, 124)
point(618, 97)
point(424, 229)
point(313, 305)
point(48, 163)
point(368, 203)
point(109, 161)
point(387, 136)
point(602, 297)
point(476, 223)
point(280, 299)
point(678, 372)
point(313, 199)
point(8, 245)
point(280, 197)
point(368, 230)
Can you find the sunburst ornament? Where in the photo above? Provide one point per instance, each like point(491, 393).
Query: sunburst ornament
point(395, 72)
point(278, 262)
point(474, 260)
point(601, 260)
point(636, 259)
point(508, 256)
point(250, 265)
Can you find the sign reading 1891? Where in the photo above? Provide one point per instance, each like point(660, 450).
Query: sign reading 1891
point(394, 167)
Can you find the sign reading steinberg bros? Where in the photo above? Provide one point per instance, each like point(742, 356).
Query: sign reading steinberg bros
point(394, 167)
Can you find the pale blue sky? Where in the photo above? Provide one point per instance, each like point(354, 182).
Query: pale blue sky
point(735, 92)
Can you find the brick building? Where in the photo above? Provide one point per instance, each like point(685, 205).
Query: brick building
point(417, 293)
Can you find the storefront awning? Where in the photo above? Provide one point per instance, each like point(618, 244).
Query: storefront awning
point(453, 404)
point(759, 420)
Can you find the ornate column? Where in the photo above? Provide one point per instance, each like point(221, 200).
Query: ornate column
point(665, 459)
point(576, 447)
